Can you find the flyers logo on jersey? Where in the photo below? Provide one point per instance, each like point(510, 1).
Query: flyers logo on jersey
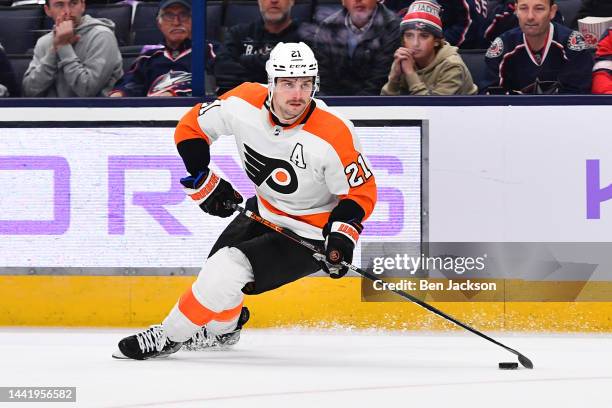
point(278, 174)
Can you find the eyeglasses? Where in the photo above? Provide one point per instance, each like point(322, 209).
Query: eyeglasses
point(170, 17)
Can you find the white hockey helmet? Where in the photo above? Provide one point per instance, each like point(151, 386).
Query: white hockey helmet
point(291, 60)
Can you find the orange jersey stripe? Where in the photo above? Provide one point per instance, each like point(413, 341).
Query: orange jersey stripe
point(335, 132)
point(251, 92)
point(189, 128)
point(318, 220)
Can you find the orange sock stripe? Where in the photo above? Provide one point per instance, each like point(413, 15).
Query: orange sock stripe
point(200, 315)
point(194, 310)
point(229, 314)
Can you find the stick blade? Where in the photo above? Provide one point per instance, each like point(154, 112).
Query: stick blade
point(525, 362)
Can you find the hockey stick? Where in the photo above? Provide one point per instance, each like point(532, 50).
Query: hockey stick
point(320, 256)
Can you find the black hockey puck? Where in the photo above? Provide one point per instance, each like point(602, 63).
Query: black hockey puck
point(508, 366)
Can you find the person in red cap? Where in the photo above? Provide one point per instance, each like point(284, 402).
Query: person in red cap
point(425, 64)
point(602, 70)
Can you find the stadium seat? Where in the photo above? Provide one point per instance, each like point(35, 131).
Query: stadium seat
point(475, 61)
point(144, 26)
point(214, 17)
point(131, 49)
point(569, 9)
point(20, 27)
point(491, 5)
point(302, 11)
point(243, 12)
point(120, 14)
point(20, 65)
point(128, 59)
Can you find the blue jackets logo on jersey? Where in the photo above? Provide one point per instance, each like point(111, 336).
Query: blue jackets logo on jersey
point(278, 174)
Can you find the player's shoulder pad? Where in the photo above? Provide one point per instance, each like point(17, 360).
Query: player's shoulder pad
point(331, 127)
point(250, 92)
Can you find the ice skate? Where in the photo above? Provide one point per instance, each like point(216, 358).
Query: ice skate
point(150, 343)
point(202, 340)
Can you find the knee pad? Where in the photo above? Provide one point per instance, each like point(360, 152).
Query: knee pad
point(220, 282)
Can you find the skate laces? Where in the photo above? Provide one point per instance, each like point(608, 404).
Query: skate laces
point(152, 339)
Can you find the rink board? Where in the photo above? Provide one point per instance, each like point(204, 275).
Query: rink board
point(489, 177)
point(317, 302)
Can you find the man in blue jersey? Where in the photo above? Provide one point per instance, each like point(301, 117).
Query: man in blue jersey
point(164, 70)
point(539, 56)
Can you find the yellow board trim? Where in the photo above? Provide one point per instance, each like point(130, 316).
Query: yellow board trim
point(131, 301)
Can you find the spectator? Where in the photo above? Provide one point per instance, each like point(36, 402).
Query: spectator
point(8, 83)
point(463, 22)
point(539, 53)
point(79, 57)
point(246, 47)
point(504, 19)
point(594, 8)
point(426, 64)
point(355, 48)
point(602, 70)
point(165, 70)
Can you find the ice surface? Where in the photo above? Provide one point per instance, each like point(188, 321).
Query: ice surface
point(305, 368)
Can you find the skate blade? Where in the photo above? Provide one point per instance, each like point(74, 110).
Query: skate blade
point(119, 355)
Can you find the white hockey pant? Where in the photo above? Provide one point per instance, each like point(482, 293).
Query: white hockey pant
point(215, 298)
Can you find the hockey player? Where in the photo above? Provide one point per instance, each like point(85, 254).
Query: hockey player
point(539, 51)
point(310, 176)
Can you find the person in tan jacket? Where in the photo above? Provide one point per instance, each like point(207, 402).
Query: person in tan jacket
point(426, 64)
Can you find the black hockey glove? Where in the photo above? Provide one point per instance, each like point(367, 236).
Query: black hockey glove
point(340, 240)
point(211, 192)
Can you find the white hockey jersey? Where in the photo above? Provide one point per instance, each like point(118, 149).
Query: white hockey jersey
point(300, 171)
